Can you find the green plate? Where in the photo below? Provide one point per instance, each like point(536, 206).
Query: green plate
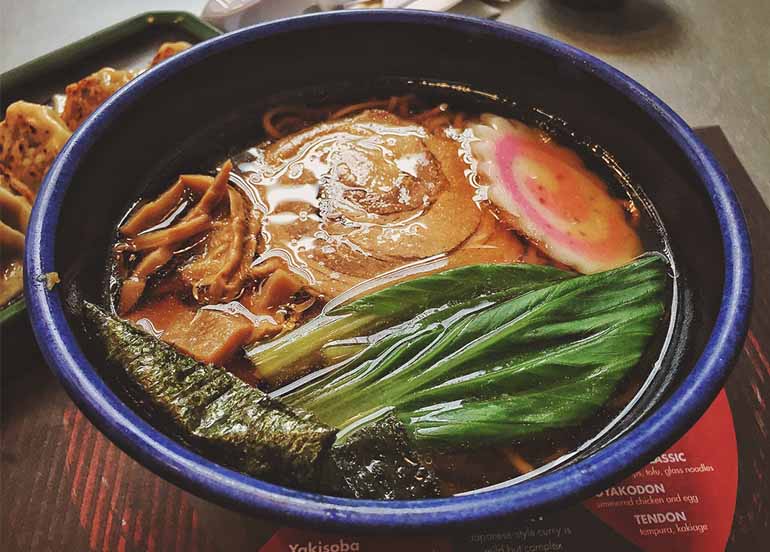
point(130, 44)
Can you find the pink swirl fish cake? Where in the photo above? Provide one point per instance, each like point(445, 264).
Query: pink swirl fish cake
point(552, 198)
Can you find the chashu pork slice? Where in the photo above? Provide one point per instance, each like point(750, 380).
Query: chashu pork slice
point(439, 226)
point(348, 200)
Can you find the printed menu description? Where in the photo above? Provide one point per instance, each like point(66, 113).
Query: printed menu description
point(655, 493)
point(685, 498)
point(541, 539)
point(683, 501)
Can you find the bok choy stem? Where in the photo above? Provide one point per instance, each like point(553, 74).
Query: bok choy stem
point(294, 354)
point(517, 361)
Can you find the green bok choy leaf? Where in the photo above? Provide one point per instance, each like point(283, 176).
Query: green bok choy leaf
point(289, 356)
point(531, 350)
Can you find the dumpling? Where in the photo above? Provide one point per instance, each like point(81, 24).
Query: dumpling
point(30, 138)
point(84, 96)
point(169, 49)
point(14, 216)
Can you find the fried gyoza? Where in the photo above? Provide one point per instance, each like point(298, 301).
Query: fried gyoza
point(30, 138)
point(84, 96)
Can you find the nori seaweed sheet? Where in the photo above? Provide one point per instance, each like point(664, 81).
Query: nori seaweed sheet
point(241, 427)
point(378, 462)
point(229, 421)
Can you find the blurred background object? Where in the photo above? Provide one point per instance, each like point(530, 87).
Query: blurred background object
point(706, 58)
point(229, 15)
point(594, 4)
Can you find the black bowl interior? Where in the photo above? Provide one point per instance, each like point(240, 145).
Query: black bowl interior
point(211, 109)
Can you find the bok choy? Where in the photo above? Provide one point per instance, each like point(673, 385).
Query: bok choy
point(286, 357)
point(512, 352)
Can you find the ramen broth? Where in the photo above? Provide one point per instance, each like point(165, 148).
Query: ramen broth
point(338, 201)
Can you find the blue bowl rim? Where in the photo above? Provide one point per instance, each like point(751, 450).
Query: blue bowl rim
point(175, 462)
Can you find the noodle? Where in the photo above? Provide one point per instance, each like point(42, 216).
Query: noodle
point(292, 112)
point(425, 115)
point(267, 121)
point(518, 461)
point(282, 120)
point(436, 122)
point(373, 104)
point(290, 122)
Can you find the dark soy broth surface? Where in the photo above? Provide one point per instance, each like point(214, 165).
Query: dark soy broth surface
point(334, 199)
